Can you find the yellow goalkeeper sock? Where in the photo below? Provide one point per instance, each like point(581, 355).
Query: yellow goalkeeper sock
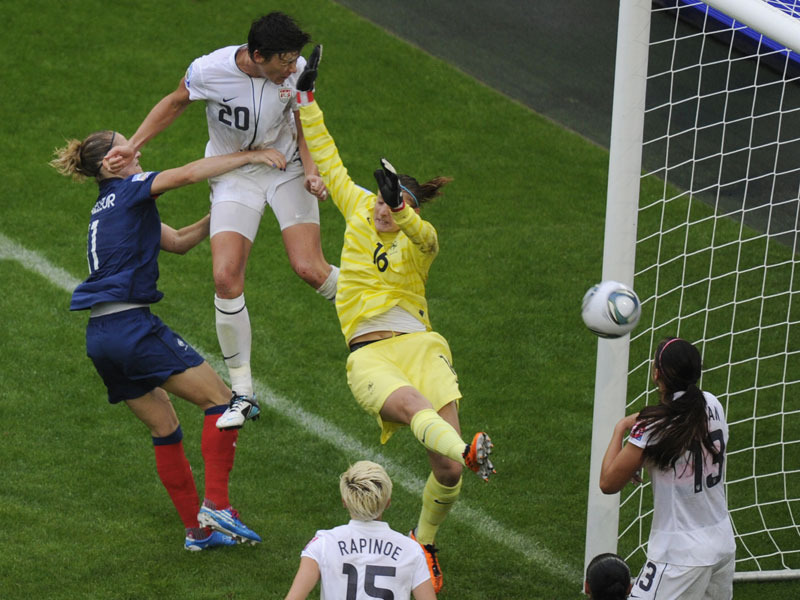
point(437, 500)
point(438, 435)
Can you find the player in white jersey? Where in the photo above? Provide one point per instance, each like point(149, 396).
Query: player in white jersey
point(682, 441)
point(365, 558)
point(250, 104)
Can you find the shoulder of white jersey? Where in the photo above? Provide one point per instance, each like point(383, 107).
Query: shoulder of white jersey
point(222, 58)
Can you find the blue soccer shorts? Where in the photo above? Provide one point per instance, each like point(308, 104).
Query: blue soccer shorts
point(135, 352)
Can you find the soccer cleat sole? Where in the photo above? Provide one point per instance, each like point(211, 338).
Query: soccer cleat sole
point(207, 520)
point(481, 464)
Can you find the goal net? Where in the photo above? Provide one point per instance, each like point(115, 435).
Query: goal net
point(702, 218)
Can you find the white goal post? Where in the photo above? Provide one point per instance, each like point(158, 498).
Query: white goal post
point(702, 221)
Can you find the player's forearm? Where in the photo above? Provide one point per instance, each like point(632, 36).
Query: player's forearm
point(200, 170)
point(161, 116)
point(182, 240)
point(205, 168)
point(309, 166)
point(322, 149)
point(420, 232)
point(610, 482)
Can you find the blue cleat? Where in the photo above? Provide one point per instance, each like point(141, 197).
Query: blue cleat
point(212, 541)
point(240, 409)
point(227, 521)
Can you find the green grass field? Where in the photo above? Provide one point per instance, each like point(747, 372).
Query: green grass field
point(521, 240)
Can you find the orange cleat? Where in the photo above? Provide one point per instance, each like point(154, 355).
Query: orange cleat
point(476, 456)
point(433, 563)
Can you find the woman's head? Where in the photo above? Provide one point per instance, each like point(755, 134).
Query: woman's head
point(679, 423)
point(676, 365)
point(414, 194)
point(366, 490)
point(274, 45)
point(607, 578)
point(83, 159)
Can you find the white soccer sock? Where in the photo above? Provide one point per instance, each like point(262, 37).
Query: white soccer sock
point(241, 380)
point(235, 339)
point(328, 287)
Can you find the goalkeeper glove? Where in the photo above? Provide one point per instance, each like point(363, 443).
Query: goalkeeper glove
point(305, 83)
point(389, 185)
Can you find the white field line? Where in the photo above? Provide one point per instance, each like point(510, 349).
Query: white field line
point(500, 535)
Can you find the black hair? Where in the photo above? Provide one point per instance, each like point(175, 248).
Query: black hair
point(609, 577)
point(276, 33)
point(677, 425)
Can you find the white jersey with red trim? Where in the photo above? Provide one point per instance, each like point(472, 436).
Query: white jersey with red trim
point(691, 525)
point(366, 559)
point(243, 112)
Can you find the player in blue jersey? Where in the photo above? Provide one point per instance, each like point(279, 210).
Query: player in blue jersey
point(139, 358)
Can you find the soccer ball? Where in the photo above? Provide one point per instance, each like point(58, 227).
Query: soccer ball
point(611, 309)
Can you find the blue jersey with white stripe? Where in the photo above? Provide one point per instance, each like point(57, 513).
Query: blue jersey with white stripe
point(123, 245)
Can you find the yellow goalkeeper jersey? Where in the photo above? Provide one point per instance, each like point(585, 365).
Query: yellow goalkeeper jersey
point(378, 271)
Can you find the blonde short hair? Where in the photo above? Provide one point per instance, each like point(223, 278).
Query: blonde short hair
point(366, 490)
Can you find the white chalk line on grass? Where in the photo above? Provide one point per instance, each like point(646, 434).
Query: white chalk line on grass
point(533, 550)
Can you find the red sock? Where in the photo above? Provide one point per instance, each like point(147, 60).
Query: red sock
point(219, 448)
point(176, 475)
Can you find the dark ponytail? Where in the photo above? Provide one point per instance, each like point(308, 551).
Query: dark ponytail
point(423, 192)
point(677, 425)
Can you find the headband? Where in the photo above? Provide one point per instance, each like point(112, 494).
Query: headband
point(111, 143)
point(664, 347)
point(408, 191)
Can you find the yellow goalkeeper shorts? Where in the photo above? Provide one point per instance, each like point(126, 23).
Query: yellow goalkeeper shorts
point(421, 360)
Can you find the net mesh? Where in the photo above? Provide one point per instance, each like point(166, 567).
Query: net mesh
point(716, 263)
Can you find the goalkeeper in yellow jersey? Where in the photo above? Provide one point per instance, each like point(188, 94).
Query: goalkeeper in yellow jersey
point(399, 370)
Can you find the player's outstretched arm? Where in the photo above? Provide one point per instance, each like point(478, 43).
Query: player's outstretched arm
point(305, 580)
point(204, 168)
point(313, 181)
point(158, 119)
point(180, 241)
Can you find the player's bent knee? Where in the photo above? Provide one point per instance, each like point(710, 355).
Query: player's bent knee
point(309, 272)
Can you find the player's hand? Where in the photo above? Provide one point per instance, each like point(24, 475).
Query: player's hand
point(119, 157)
point(316, 186)
point(271, 157)
point(389, 185)
point(627, 423)
point(305, 83)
